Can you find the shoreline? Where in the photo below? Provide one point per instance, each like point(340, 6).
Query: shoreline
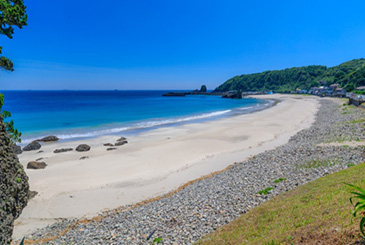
point(134, 128)
point(195, 149)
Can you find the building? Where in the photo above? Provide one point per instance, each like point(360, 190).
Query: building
point(340, 92)
point(334, 86)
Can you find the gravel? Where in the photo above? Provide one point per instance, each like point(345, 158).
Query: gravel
point(205, 205)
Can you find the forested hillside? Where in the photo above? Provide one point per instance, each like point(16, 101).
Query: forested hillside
point(349, 75)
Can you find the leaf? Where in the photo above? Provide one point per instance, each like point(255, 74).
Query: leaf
point(357, 188)
point(362, 224)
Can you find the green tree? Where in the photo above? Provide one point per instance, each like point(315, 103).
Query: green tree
point(12, 14)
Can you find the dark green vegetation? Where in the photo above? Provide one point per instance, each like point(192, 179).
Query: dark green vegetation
point(349, 75)
point(318, 212)
point(359, 206)
point(12, 13)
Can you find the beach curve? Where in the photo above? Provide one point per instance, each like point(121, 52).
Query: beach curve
point(154, 162)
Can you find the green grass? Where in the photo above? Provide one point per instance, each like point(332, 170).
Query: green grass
point(265, 191)
point(319, 207)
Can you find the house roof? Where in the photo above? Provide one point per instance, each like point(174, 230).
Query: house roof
point(361, 88)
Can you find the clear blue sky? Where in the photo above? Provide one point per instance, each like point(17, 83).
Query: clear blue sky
point(173, 44)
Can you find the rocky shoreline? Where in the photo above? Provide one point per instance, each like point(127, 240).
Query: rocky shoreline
point(201, 207)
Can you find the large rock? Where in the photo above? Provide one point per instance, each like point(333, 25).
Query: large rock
point(122, 139)
point(32, 146)
point(36, 165)
point(49, 139)
point(17, 149)
point(118, 143)
point(62, 150)
point(14, 186)
point(83, 147)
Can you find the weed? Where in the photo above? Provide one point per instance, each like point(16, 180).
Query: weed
point(18, 180)
point(265, 191)
point(157, 240)
point(279, 180)
point(350, 165)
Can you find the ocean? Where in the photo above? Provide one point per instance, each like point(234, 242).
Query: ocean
point(78, 114)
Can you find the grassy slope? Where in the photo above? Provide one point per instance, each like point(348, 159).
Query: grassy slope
point(318, 212)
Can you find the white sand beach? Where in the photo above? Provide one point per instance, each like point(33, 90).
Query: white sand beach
point(154, 162)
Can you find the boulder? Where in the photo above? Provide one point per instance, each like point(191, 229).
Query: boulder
point(32, 194)
point(121, 143)
point(83, 158)
point(49, 139)
point(14, 186)
point(111, 148)
point(17, 149)
point(108, 144)
point(83, 147)
point(32, 146)
point(62, 150)
point(36, 165)
point(122, 139)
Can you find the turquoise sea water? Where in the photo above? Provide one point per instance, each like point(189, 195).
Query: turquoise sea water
point(77, 114)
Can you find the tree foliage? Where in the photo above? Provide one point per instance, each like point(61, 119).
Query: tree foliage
point(349, 75)
point(12, 14)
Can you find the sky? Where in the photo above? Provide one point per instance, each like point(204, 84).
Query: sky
point(174, 44)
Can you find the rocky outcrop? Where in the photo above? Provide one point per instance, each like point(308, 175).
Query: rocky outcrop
point(50, 138)
point(36, 165)
point(32, 146)
point(14, 186)
point(62, 150)
point(83, 147)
